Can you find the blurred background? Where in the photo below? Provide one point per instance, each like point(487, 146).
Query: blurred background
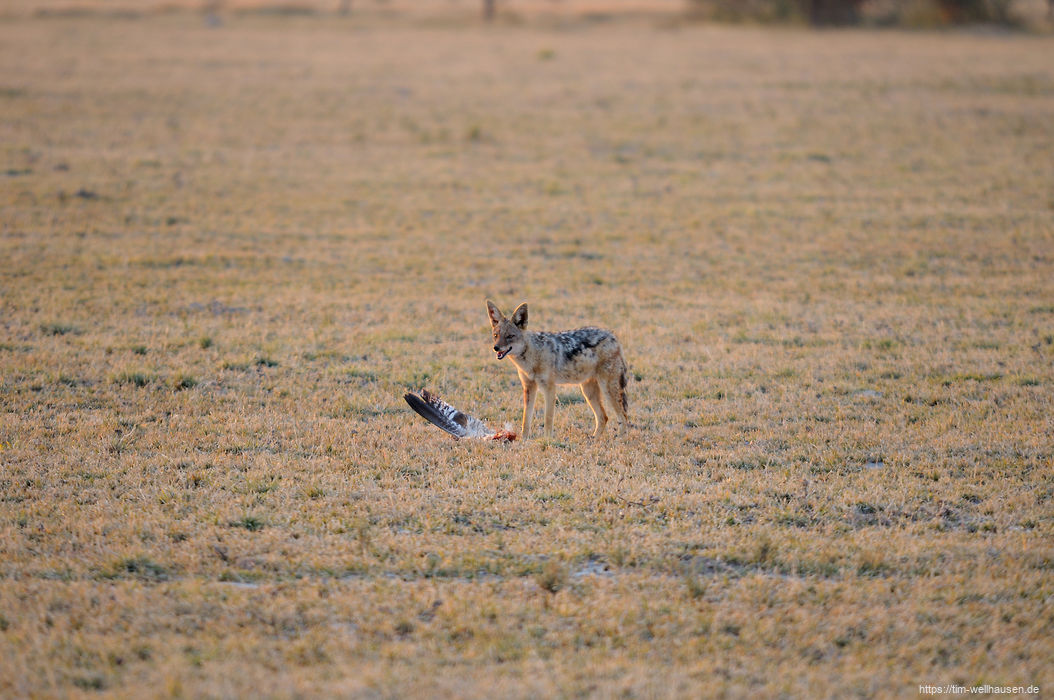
point(1036, 15)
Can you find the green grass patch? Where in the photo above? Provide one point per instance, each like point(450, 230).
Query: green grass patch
point(138, 379)
point(59, 328)
point(140, 567)
point(250, 522)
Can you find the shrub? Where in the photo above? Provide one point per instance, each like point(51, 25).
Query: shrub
point(847, 12)
point(816, 12)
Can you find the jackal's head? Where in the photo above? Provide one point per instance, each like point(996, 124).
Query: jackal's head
point(508, 332)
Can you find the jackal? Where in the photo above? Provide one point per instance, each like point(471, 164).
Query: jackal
point(590, 357)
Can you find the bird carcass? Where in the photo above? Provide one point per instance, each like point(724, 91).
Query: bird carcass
point(447, 418)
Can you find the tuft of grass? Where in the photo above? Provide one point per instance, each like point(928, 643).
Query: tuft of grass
point(764, 550)
point(68, 380)
point(90, 681)
point(140, 567)
point(249, 522)
point(882, 344)
point(183, 381)
point(552, 578)
point(693, 583)
point(365, 375)
point(139, 379)
point(264, 484)
point(971, 377)
point(58, 328)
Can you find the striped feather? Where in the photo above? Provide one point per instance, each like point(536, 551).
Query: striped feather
point(446, 417)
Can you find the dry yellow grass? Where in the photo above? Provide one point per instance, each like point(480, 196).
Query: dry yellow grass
point(227, 251)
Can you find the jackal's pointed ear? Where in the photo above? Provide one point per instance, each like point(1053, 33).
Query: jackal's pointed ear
point(519, 316)
point(496, 316)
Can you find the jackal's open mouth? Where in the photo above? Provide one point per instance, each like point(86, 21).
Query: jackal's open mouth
point(503, 353)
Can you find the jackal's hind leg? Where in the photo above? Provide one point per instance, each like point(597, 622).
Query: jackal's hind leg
point(612, 390)
point(591, 390)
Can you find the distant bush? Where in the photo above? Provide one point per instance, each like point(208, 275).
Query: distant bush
point(850, 12)
point(936, 13)
point(964, 11)
point(822, 12)
point(748, 10)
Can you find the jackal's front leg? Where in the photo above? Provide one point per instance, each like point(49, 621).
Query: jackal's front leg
point(550, 408)
point(530, 390)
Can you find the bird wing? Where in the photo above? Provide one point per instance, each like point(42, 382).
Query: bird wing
point(441, 414)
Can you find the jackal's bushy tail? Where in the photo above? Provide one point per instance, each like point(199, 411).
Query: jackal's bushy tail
point(622, 379)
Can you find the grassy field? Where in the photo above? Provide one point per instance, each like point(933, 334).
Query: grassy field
point(227, 252)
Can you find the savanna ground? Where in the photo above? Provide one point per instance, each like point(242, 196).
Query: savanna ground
point(228, 250)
